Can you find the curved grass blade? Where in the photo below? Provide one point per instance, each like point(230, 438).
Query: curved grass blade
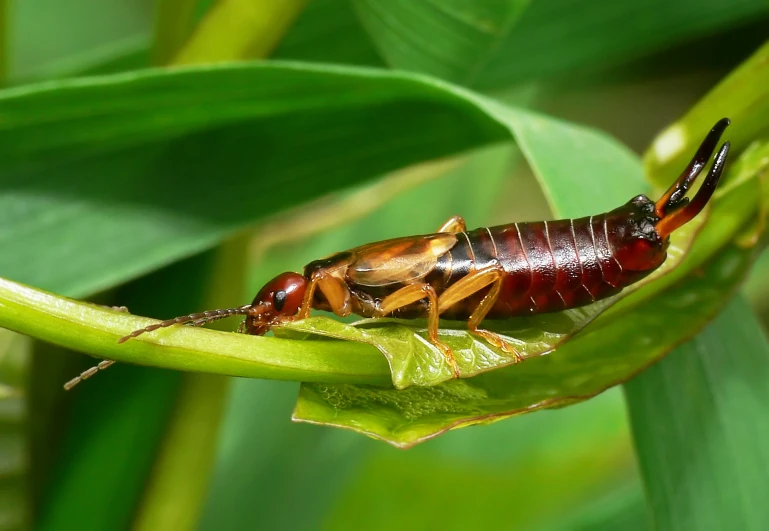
point(58, 140)
point(699, 423)
point(450, 39)
point(95, 330)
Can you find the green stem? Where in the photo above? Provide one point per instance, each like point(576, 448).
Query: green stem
point(176, 492)
point(174, 20)
point(177, 488)
point(95, 330)
point(252, 30)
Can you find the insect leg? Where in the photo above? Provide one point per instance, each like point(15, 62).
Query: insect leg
point(480, 312)
point(411, 294)
point(319, 273)
point(474, 282)
point(337, 294)
point(334, 289)
point(454, 224)
point(309, 296)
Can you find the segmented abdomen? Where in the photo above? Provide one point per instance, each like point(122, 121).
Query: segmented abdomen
point(549, 266)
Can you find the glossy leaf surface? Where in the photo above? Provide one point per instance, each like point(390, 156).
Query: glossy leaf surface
point(364, 123)
point(451, 40)
point(580, 369)
point(413, 417)
point(699, 423)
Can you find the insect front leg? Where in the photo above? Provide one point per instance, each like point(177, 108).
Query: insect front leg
point(411, 294)
point(334, 289)
point(337, 294)
point(453, 225)
point(327, 274)
point(467, 286)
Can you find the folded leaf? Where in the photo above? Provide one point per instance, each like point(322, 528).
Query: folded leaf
point(576, 371)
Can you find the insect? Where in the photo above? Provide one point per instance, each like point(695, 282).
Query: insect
point(487, 273)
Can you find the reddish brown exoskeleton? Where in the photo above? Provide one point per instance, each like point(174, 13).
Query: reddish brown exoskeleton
point(488, 273)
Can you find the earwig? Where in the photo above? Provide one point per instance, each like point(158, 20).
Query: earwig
point(487, 273)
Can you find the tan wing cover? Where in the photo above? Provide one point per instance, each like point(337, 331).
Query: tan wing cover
point(398, 260)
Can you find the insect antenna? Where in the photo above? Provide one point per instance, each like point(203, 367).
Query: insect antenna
point(197, 319)
point(674, 196)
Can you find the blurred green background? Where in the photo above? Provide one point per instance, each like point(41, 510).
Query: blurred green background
point(144, 448)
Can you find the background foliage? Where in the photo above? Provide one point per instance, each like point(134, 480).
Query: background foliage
point(173, 191)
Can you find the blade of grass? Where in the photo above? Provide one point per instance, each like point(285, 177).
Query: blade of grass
point(268, 470)
point(135, 429)
point(179, 481)
point(174, 20)
point(252, 489)
point(365, 123)
point(74, 325)
point(565, 39)
point(113, 430)
point(447, 39)
point(701, 430)
point(328, 31)
point(176, 489)
point(253, 29)
point(47, 33)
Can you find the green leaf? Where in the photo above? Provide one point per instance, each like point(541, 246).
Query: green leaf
point(252, 489)
point(252, 30)
point(621, 336)
point(579, 167)
point(133, 489)
point(565, 39)
point(448, 39)
point(596, 360)
point(174, 21)
point(95, 330)
point(181, 473)
point(150, 137)
point(539, 138)
point(267, 468)
point(701, 429)
point(47, 36)
point(554, 483)
point(97, 459)
point(328, 31)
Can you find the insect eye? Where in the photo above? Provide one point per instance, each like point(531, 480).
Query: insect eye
point(279, 300)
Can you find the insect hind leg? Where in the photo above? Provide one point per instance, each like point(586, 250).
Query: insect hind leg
point(469, 285)
point(411, 294)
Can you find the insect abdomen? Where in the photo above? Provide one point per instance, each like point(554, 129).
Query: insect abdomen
point(549, 266)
